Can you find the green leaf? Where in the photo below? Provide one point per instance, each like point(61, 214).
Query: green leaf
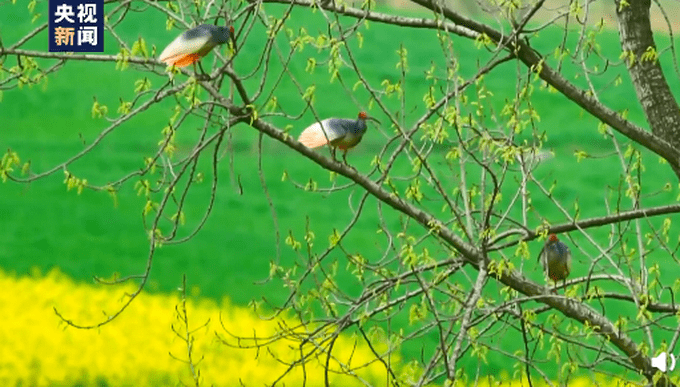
point(99, 110)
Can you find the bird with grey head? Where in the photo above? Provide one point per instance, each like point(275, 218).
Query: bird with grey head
point(341, 133)
point(192, 45)
point(556, 259)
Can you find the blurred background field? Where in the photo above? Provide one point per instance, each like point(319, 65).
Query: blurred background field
point(44, 227)
point(146, 346)
point(141, 347)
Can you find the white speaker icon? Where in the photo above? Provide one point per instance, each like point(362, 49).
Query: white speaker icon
point(660, 363)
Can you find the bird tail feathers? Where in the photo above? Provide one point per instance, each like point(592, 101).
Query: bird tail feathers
point(314, 137)
point(181, 60)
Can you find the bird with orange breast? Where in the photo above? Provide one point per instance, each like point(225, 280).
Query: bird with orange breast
point(556, 259)
point(194, 44)
point(341, 133)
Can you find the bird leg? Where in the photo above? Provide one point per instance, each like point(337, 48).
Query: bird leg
point(344, 157)
point(564, 286)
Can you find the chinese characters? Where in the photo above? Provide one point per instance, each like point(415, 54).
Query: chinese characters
point(76, 25)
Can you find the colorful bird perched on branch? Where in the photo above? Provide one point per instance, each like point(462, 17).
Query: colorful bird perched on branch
point(340, 133)
point(556, 259)
point(195, 43)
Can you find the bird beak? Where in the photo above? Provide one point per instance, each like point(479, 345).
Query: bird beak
point(373, 119)
point(233, 41)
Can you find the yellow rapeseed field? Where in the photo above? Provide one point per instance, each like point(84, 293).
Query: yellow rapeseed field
point(38, 349)
point(142, 346)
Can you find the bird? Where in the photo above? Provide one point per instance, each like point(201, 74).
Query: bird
point(342, 133)
point(195, 43)
point(556, 259)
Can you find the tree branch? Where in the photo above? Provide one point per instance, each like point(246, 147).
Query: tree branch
point(85, 57)
point(529, 235)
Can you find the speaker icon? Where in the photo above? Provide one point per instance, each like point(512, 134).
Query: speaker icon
point(660, 362)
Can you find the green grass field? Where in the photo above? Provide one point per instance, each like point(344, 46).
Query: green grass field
point(86, 235)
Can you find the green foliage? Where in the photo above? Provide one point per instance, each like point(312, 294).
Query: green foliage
point(237, 249)
point(74, 182)
point(139, 48)
point(99, 110)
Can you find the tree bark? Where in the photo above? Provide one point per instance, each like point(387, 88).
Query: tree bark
point(654, 94)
